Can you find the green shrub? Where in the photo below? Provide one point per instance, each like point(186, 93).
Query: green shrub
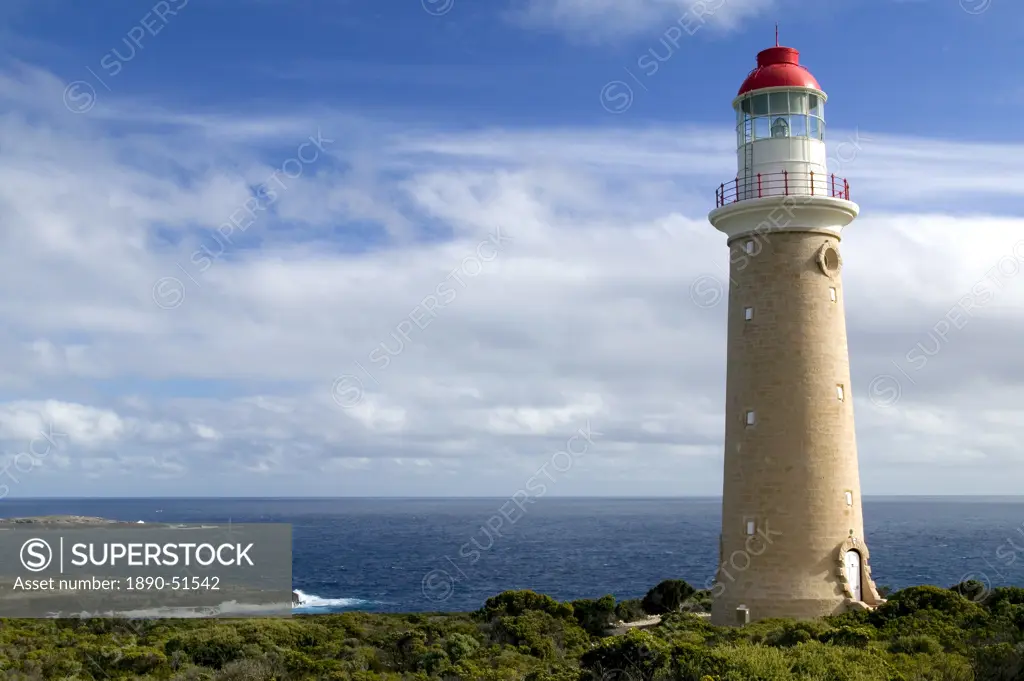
point(636, 655)
point(973, 590)
point(853, 637)
point(140, 661)
point(247, 670)
point(691, 662)
point(514, 603)
point(213, 647)
point(794, 633)
point(668, 596)
point(739, 663)
point(918, 598)
point(1000, 662)
point(915, 645)
point(816, 661)
point(459, 646)
point(1013, 595)
point(594, 616)
point(630, 611)
point(540, 634)
point(699, 601)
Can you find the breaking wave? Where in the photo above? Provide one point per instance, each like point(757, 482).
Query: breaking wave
point(312, 602)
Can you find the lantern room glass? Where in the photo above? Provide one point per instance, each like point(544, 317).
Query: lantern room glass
point(779, 114)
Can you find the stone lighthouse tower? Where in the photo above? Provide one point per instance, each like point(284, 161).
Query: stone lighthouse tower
point(792, 542)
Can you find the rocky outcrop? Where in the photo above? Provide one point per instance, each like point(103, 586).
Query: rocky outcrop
point(74, 521)
point(61, 520)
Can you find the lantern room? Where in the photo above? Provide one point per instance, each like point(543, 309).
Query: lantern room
point(780, 139)
point(780, 132)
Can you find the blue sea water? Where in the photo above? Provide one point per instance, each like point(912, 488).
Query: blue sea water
point(415, 555)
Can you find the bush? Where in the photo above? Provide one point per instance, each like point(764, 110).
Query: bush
point(853, 637)
point(1013, 595)
point(740, 663)
point(594, 616)
point(514, 603)
point(794, 633)
point(213, 647)
point(973, 590)
point(668, 596)
point(915, 599)
point(460, 646)
point(540, 634)
point(636, 655)
point(918, 598)
point(1001, 662)
point(630, 611)
point(700, 601)
point(247, 670)
point(915, 645)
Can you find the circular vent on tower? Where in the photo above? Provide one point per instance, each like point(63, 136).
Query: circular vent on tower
point(829, 260)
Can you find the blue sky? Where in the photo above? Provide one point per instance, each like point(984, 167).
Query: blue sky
point(914, 67)
point(381, 147)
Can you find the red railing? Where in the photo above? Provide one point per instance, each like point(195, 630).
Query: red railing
point(782, 184)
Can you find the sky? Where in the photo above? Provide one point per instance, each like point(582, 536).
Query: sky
point(439, 248)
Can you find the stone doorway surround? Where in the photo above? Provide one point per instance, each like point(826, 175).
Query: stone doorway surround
point(867, 585)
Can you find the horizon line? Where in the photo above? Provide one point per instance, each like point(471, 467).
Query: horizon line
point(488, 497)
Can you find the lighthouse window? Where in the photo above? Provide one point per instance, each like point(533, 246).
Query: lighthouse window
point(751, 526)
point(780, 127)
point(761, 126)
point(839, 393)
point(776, 115)
point(815, 106)
point(815, 128)
point(750, 418)
point(832, 294)
point(748, 313)
point(849, 498)
point(798, 126)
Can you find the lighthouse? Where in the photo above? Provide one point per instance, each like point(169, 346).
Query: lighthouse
point(792, 541)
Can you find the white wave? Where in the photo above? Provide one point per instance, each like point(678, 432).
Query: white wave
point(312, 601)
point(226, 609)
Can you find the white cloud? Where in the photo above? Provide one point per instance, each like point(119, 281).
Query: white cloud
point(468, 359)
point(598, 20)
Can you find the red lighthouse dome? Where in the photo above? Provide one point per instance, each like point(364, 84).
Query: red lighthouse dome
point(778, 67)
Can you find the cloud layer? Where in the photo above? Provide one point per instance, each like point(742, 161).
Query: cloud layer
point(321, 304)
point(601, 20)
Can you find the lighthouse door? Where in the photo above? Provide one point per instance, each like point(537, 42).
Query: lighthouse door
point(853, 574)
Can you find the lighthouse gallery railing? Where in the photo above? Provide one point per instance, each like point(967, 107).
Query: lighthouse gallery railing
point(782, 184)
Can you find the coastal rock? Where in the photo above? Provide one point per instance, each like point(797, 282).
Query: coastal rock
point(60, 520)
point(73, 521)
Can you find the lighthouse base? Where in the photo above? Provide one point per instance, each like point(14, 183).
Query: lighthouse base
point(781, 592)
point(771, 608)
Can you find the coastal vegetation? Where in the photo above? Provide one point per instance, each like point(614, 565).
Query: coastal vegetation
point(926, 633)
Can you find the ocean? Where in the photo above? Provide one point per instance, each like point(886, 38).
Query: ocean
point(420, 555)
